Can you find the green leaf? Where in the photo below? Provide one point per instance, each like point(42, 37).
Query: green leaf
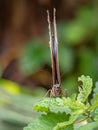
point(67, 105)
point(47, 122)
point(52, 105)
point(94, 102)
point(73, 104)
point(63, 125)
point(96, 114)
point(89, 126)
point(95, 90)
point(85, 88)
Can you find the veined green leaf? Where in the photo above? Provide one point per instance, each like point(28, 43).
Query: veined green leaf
point(85, 88)
point(52, 105)
point(47, 121)
point(73, 104)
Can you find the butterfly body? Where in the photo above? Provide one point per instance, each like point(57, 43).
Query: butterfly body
point(56, 91)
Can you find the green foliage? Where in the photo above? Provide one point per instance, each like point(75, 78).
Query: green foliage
point(84, 24)
point(52, 105)
point(90, 126)
point(96, 113)
point(88, 62)
point(33, 56)
point(85, 88)
point(47, 121)
point(66, 113)
point(16, 105)
point(95, 90)
point(95, 102)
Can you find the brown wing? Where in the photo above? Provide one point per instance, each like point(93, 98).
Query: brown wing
point(54, 50)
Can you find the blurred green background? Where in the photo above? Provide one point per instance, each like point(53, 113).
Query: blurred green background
point(25, 62)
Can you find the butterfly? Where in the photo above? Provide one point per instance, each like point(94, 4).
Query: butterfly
point(56, 90)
